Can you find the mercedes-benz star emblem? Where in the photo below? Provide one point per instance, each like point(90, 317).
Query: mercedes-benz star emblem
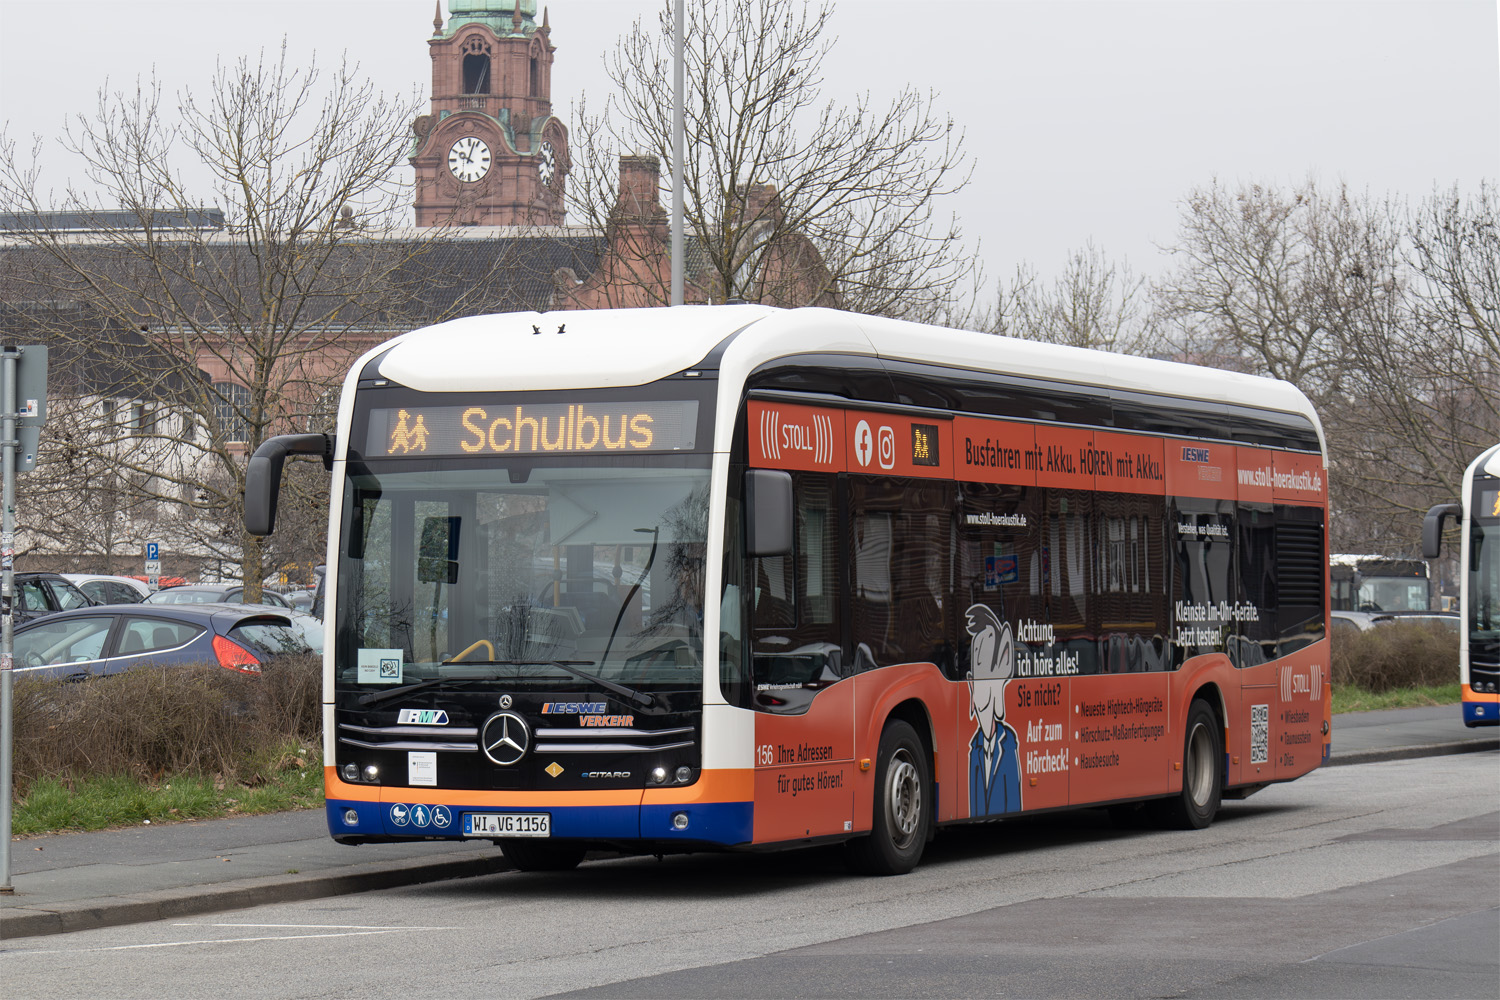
point(505, 738)
point(505, 701)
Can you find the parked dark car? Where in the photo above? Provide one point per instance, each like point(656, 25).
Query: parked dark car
point(114, 637)
point(213, 593)
point(39, 594)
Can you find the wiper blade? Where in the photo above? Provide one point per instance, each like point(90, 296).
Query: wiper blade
point(641, 698)
point(376, 697)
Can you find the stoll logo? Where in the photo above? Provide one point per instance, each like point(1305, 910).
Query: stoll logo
point(778, 435)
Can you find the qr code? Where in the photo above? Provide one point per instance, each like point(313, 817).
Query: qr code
point(1260, 733)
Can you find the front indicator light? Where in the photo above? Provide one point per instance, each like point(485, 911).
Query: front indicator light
point(350, 772)
point(351, 817)
point(679, 821)
point(684, 774)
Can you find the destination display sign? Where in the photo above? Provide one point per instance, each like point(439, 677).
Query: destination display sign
point(534, 428)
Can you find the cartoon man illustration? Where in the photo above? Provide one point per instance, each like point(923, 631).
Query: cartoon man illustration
point(994, 765)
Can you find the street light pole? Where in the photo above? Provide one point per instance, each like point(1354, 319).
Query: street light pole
point(678, 250)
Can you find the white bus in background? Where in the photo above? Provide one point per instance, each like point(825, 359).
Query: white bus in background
point(1378, 583)
point(1478, 515)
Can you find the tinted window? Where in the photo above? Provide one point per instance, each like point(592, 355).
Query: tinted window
point(71, 641)
point(123, 593)
point(901, 540)
point(1300, 575)
point(1203, 542)
point(97, 591)
point(144, 635)
point(270, 638)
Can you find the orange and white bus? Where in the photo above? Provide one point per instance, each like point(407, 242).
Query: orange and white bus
point(739, 578)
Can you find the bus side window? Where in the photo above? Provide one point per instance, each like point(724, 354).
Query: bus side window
point(901, 538)
point(794, 624)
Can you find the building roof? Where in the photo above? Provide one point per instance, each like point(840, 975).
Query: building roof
point(497, 15)
point(183, 220)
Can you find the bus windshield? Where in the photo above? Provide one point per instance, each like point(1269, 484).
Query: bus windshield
point(586, 569)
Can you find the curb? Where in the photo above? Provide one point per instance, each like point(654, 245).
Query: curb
point(89, 914)
point(1407, 753)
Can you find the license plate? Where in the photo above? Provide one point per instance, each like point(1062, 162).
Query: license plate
point(507, 825)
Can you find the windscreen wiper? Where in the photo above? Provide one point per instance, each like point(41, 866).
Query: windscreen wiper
point(376, 697)
point(641, 698)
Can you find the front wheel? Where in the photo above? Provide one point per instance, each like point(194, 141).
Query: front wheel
point(541, 855)
point(1202, 774)
point(903, 802)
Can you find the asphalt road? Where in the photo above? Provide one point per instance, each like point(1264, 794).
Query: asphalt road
point(1372, 880)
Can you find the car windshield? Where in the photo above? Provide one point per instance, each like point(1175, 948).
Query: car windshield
point(541, 571)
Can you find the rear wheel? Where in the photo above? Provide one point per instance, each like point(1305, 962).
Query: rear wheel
point(903, 801)
point(542, 855)
point(1202, 774)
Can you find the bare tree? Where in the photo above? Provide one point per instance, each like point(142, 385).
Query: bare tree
point(788, 199)
point(240, 318)
point(1094, 303)
point(1264, 275)
point(1384, 316)
point(1426, 397)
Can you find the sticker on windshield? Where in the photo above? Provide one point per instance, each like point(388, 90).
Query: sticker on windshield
point(380, 666)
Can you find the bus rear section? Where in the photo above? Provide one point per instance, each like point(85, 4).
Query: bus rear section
point(1046, 617)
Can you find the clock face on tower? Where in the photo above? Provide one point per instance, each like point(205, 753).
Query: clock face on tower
point(469, 159)
point(546, 162)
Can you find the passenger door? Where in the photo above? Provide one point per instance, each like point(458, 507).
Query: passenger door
point(71, 647)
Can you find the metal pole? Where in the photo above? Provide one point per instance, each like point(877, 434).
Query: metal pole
point(678, 250)
point(8, 443)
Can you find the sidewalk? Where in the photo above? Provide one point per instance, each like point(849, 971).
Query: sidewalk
point(69, 882)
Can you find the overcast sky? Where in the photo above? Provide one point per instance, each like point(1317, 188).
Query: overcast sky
point(1086, 120)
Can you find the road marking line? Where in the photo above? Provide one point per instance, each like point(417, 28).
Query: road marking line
point(179, 944)
point(329, 927)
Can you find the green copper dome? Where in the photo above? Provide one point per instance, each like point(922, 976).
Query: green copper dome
point(498, 15)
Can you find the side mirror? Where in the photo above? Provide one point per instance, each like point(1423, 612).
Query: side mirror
point(1432, 528)
point(263, 475)
point(768, 513)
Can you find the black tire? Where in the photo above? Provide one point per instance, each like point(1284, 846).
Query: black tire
point(542, 855)
point(1196, 805)
point(903, 805)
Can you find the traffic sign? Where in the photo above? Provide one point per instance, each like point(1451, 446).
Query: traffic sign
point(153, 551)
point(153, 567)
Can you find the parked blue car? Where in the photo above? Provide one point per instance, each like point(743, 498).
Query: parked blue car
point(104, 640)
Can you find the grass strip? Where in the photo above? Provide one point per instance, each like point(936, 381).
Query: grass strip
point(296, 781)
point(110, 801)
point(1351, 698)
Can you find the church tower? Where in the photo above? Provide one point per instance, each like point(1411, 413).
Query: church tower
point(490, 153)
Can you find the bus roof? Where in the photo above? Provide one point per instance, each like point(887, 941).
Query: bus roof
point(598, 348)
